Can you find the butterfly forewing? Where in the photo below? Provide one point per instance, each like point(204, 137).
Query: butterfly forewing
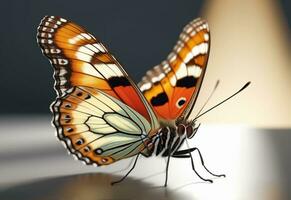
point(172, 87)
point(79, 59)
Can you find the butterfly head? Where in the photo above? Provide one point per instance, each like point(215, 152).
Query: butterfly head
point(185, 127)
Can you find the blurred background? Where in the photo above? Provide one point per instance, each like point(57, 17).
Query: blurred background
point(250, 41)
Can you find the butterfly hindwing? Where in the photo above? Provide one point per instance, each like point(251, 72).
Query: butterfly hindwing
point(97, 127)
point(172, 87)
point(79, 59)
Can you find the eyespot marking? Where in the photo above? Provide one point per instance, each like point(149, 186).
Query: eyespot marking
point(98, 151)
point(88, 97)
point(80, 141)
point(68, 105)
point(69, 130)
point(86, 149)
point(181, 101)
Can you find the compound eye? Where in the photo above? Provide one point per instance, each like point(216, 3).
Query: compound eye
point(181, 129)
point(190, 132)
point(181, 101)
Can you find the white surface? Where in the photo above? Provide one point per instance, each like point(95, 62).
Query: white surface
point(29, 152)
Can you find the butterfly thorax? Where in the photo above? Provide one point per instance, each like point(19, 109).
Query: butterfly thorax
point(170, 138)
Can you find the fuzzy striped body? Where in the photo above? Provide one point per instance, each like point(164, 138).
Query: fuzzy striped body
point(168, 140)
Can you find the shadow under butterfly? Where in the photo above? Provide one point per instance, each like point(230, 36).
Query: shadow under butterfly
point(102, 116)
point(87, 186)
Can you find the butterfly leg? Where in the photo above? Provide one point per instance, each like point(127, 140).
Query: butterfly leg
point(187, 154)
point(167, 167)
point(120, 180)
point(127, 167)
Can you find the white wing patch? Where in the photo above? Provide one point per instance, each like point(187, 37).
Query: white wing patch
point(122, 123)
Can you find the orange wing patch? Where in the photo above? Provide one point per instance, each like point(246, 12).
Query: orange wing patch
point(172, 87)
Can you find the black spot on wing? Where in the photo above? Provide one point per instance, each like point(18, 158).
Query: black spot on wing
point(181, 102)
point(188, 82)
point(118, 81)
point(160, 99)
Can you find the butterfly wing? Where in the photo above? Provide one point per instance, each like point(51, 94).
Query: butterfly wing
point(99, 113)
point(173, 86)
point(98, 128)
point(79, 59)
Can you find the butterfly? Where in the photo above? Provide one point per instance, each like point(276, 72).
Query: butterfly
point(102, 116)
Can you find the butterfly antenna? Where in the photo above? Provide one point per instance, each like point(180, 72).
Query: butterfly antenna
point(211, 94)
point(244, 87)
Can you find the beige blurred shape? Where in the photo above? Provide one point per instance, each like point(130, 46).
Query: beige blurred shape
point(249, 42)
